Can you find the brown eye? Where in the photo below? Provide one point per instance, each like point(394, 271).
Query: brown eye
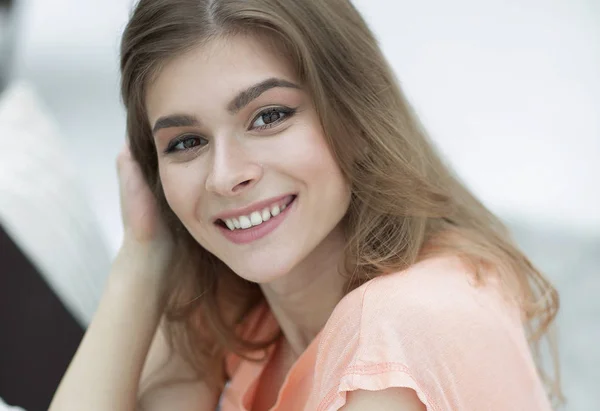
point(187, 142)
point(271, 117)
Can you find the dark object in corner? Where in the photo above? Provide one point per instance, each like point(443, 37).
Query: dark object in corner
point(38, 336)
point(7, 4)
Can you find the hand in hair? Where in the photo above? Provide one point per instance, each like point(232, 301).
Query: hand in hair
point(147, 240)
point(138, 206)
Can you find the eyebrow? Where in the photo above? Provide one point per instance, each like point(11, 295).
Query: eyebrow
point(175, 120)
point(241, 100)
point(252, 92)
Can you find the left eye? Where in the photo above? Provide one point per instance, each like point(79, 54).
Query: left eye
point(270, 117)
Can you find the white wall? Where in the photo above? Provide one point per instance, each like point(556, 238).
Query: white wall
point(509, 90)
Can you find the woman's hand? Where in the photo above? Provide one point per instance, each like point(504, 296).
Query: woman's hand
point(139, 211)
point(147, 242)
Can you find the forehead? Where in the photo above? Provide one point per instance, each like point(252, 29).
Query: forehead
point(213, 73)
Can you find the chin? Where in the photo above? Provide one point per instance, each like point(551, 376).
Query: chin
point(262, 268)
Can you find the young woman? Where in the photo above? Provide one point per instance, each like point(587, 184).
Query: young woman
point(292, 234)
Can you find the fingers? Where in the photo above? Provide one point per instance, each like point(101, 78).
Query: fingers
point(127, 172)
point(126, 165)
point(124, 156)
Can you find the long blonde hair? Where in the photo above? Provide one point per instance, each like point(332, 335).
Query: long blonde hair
point(403, 196)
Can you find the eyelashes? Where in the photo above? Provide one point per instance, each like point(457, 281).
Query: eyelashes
point(269, 117)
point(187, 142)
point(266, 119)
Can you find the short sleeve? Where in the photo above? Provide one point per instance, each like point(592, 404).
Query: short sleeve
point(458, 345)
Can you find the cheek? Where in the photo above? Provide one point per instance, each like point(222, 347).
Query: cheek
point(312, 162)
point(314, 159)
point(182, 191)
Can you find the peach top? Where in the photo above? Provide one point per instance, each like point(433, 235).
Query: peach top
point(428, 328)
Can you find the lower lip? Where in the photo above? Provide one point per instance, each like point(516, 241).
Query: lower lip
point(249, 235)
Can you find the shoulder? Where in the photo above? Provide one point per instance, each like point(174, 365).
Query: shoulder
point(432, 296)
point(431, 329)
point(427, 298)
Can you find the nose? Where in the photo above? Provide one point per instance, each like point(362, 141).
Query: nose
point(233, 170)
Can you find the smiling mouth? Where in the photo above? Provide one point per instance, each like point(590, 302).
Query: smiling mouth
point(258, 217)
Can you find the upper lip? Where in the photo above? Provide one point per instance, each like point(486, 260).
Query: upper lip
point(258, 206)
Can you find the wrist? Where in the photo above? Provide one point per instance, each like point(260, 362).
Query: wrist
point(144, 294)
point(139, 270)
point(153, 258)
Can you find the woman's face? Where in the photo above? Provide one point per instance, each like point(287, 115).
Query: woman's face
point(242, 157)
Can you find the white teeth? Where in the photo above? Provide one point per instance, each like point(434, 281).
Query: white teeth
point(255, 218)
point(245, 222)
point(266, 215)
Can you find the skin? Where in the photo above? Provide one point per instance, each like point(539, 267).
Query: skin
point(233, 163)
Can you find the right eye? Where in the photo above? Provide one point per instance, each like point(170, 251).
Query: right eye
point(185, 143)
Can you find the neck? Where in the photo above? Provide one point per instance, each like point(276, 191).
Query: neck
point(303, 300)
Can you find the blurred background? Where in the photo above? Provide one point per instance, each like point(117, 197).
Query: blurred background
point(509, 90)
